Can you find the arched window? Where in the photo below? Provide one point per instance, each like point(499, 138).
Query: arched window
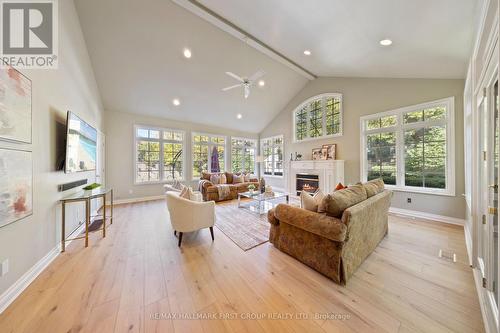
point(318, 117)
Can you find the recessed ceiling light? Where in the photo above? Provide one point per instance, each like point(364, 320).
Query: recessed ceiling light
point(385, 42)
point(307, 52)
point(187, 53)
point(176, 102)
point(262, 83)
point(239, 116)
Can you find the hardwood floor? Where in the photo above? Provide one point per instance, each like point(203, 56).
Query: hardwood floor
point(137, 278)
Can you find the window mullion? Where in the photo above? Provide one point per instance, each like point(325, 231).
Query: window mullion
point(400, 158)
point(323, 112)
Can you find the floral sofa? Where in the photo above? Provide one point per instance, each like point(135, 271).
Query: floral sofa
point(334, 245)
point(212, 191)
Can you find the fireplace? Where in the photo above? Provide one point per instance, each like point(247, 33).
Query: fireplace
point(307, 182)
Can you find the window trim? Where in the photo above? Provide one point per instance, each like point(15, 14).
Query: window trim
point(309, 100)
point(261, 146)
point(161, 141)
point(209, 144)
point(256, 146)
point(399, 128)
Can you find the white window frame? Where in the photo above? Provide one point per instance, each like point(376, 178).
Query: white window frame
point(210, 145)
point(255, 146)
point(273, 161)
point(399, 128)
point(323, 98)
point(161, 141)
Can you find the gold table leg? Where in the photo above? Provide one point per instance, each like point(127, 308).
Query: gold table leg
point(87, 221)
point(111, 207)
point(104, 218)
point(63, 227)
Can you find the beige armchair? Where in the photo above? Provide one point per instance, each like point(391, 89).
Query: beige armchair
point(187, 215)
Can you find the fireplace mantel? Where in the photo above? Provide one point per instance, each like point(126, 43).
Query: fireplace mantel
point(330, 172)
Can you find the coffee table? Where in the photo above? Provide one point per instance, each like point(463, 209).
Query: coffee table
point(262, 198)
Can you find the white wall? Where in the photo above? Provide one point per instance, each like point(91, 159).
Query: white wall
point(71, 87)
point(367, 96)
point(120, 151)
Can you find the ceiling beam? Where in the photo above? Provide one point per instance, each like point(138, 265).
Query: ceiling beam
point(209, 15)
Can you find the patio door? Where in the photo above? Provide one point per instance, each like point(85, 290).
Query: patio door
point(487, 228)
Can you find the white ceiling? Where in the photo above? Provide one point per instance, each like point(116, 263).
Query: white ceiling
point(136, 52)
point(432, 38)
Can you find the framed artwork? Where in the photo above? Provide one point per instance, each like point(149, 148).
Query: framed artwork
point(16, 185)
point(316, 154)
point(15, 105)
point(330, 151)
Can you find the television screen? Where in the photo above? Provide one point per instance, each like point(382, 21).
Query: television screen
point(80, 145)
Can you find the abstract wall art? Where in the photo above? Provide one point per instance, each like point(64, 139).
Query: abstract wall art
point(15, 105)
point(16, 185)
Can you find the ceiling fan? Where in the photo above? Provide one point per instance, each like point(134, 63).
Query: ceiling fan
point(244, 82)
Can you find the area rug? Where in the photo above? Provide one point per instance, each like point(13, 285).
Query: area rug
point(244, 227)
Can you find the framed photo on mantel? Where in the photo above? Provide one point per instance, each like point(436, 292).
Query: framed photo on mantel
point(329, 152)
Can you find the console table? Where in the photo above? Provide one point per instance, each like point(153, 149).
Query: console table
point(86, 196)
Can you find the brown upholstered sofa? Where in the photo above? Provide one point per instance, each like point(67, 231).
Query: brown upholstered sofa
point(210, 191)
point(335, 247)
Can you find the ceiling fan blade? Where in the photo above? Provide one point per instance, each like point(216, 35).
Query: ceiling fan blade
point(231, 87)
point(234, 76)
point(257, 75)
point(247, 91)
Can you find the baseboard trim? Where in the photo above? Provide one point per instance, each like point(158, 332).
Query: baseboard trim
point(426, 216)
point(25, 280)
point(132, 200)
point(488, 317)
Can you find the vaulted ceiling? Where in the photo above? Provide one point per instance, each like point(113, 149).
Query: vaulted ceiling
point(136, 51)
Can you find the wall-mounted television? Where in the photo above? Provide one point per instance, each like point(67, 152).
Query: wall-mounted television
point(81, 145)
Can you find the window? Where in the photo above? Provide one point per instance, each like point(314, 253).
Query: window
point(243, 155)
point(411, 148)
point(272, 150)
point(159, 154)
point(208, 153)
point(318, 117)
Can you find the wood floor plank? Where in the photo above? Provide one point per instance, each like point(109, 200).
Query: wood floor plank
point(138, 280)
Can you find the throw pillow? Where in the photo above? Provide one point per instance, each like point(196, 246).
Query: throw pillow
point(215, 179)
point(222, 178)
point(185, 193)
point(312, 202)
point(205, 175)
point(374, 187)
point(336, 203)
point(229, 178)
point(237, 179)
point(339, 187)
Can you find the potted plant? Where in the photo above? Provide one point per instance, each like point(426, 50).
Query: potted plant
point(251, 188)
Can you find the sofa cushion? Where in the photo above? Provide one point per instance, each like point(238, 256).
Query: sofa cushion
point(338, 201)
point(222, 178)
point(237, 179)
point(215, 179)
point(374, 187)
point(205, 175)
point(229, 178)
point(313, 203)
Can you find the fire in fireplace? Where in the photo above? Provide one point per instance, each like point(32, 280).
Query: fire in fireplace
point(306, 182)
